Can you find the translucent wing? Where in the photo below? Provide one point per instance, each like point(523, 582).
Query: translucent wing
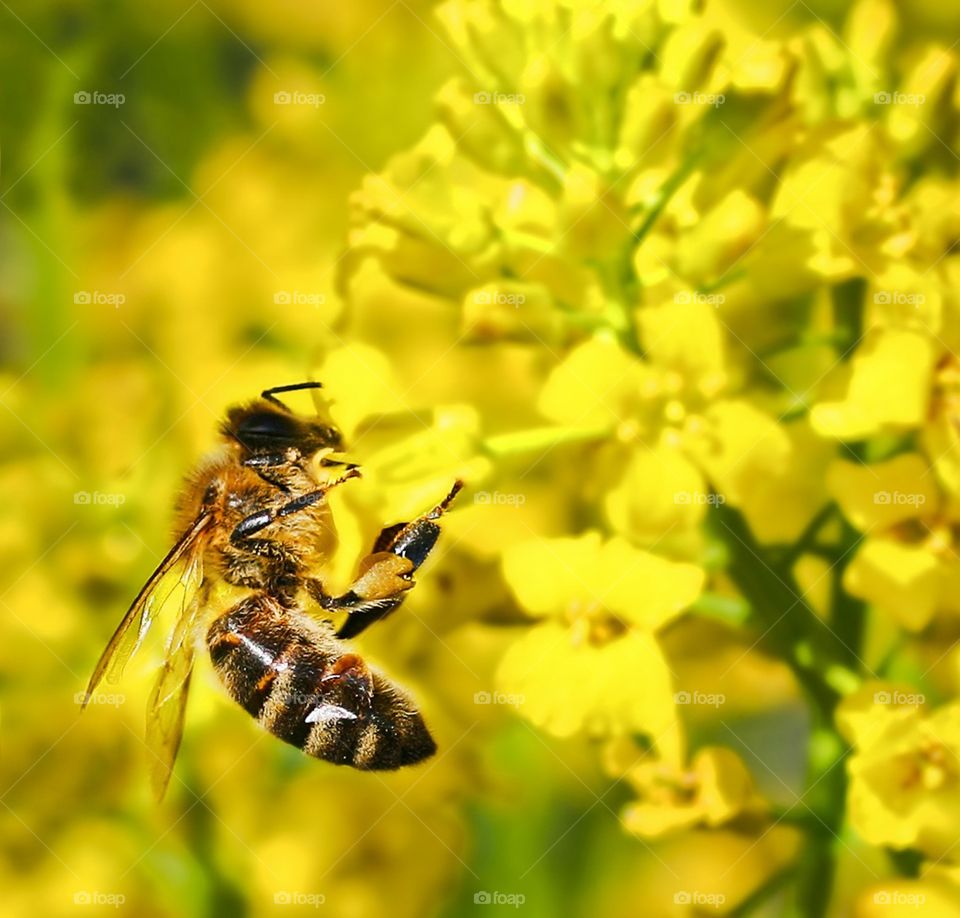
point(168, 700)
point(129, 635)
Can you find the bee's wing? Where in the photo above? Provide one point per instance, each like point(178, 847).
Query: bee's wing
point(168, 700)
point(130, 634)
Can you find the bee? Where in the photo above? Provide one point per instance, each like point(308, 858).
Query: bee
point(253, 523)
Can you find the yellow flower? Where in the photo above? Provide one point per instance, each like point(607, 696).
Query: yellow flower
point(594, 664)
point(714, 789)
point(682, 437)
point(905, 770)
point(907, 565)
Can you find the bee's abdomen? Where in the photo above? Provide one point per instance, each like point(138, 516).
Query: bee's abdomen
point(297, 679)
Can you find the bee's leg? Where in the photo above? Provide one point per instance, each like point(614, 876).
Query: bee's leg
point(272, 460)
point(264, 464)
point(252, 524)
point(275, 468)
point(387, 572)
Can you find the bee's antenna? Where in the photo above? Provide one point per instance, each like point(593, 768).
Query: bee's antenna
point(269, 394)
point(442, 506)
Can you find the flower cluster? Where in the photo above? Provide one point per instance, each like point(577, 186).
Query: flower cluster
point(693, 285)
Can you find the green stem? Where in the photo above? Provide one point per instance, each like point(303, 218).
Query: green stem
point(538, 151)
point(666, 191)
point(731, 610)
point(808, 537)
point(849, 613)
point(537, 439)
point(790, 627)
point(826, 664)
point(764, 892)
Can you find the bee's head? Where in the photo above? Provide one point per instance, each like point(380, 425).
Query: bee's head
point(263, 427)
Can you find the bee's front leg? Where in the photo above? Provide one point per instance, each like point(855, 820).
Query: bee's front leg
point(240, 537)
point(281, 469)
point(387, 572)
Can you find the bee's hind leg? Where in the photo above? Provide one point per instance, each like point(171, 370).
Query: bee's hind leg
point(387, 572)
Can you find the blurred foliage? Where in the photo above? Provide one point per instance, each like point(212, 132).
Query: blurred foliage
point(672, 285)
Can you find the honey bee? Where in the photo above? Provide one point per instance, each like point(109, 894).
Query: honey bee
point(253, 523)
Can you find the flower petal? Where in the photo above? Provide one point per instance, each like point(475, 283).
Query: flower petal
point(885, 493)
point(620, 687)
point(642, 587)
point(546, 575)
point(888, 388)
point(903, 580)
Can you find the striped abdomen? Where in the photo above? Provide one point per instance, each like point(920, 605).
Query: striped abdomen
point(310, 690)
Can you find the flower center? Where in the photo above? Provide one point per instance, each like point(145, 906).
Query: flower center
point(930, 767)
point(592, 623)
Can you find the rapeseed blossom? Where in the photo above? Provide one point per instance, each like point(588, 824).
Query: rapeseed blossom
point(708, 258)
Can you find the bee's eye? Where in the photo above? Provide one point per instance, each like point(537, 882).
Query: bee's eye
point(266, 428)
